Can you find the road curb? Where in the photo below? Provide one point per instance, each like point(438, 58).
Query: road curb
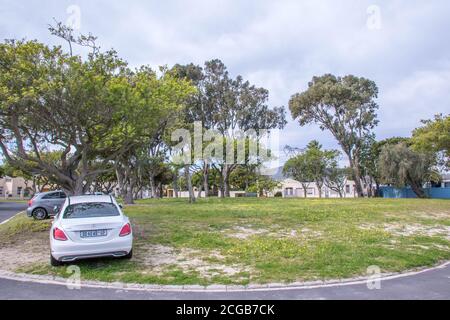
point(8, 220)
point(50, 280)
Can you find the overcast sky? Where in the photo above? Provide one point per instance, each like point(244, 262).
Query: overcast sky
point(280, 45)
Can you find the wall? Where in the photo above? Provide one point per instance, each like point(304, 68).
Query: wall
point(9, 187)
point(313, 191)
point(434, 193)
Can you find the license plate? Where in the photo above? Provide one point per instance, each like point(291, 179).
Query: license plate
point(93, 234)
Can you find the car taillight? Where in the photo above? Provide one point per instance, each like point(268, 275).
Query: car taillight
point(126, 230)
point(59, 235)
point(30, 203)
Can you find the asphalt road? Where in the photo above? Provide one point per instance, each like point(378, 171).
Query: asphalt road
point(432, 284)
point(9, 209)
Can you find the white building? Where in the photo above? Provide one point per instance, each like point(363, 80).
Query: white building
point(445, 181)
point(290, 188)
point(16, 188)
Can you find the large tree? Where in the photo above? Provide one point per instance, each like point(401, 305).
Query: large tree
point(318, 160)
point(51, 101)
point(226, 105)
point(336, 179)
point(402, 166)
point(151, 107)
point(93, 111)
point(298, 168)
point(346, 107)
point(369, 160)
point(434, 136)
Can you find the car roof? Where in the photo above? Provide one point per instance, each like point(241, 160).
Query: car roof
point(91, 199)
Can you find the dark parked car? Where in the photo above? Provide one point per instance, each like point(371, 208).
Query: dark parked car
point(42, 205)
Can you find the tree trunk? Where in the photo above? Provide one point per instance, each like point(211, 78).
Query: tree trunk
point(378, 191)
point(417, 188)
point(226, 181)
point(160, 191)
point(153, 187)
point(369, 188)
point(226, 189)
point(356, 175)
point(121, 182)
point(128, 196)
point(175, 184)
point(221, 187)
point(305, 191)
point(206, 179)
point(200, 189)
point(187, 175)
point(319, 187)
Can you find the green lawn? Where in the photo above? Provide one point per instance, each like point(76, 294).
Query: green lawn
point(14, 200)
point(241, 241)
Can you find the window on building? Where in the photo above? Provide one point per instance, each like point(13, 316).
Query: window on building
point(19, 191)
point(289, 192)
point(447, 185)
point(347, 188)
point(310, 192)
point(1, 191)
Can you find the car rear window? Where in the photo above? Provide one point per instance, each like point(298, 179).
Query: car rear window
point(51, 196)
point(91, 210)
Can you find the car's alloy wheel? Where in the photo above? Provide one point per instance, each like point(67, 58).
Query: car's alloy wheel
point(40, 214)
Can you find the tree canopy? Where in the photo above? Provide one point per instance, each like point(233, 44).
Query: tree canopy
point(90, 110)
point(402, 166)
point(434, 136)
point(346, 107)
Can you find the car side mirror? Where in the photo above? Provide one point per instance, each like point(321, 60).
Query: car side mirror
point(56, 209)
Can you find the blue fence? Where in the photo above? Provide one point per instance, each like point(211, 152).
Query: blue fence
point(433, 193)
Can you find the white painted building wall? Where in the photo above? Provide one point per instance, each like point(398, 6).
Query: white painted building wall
point(14, 188)
point(291, 188)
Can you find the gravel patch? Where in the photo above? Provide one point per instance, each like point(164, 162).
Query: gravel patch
point(158, 259)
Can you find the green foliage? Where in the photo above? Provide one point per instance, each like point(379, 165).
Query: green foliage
point(87, 111)
point(402, 166)
point(312, 165)
point(298, 168)
point(434, 136)
point(344, 106)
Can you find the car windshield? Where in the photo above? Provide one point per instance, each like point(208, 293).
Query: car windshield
point(91, 210)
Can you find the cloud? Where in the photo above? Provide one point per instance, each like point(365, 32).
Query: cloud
point(279, 45)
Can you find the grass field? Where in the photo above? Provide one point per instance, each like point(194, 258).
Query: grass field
point(242, 241)
point(13, 200)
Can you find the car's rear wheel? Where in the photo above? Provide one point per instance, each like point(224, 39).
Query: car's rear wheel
point(54, 262)
point(40, 214)
point(128, 256)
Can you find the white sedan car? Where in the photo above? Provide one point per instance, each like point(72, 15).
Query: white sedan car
point(90, 227)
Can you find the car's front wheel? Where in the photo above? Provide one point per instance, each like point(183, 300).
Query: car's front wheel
point(40, 214)
point(54, 262)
